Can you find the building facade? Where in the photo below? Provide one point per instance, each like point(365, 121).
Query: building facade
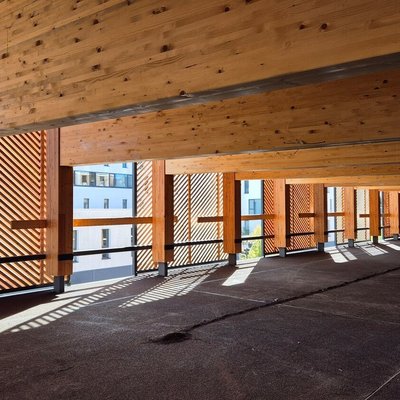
point(102, 191)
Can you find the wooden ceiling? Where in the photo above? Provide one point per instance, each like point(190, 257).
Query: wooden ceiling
point(67, 61)
point(306, 90)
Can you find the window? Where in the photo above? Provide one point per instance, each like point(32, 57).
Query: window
point(129, 181)
point(105, 243)
point(82, 178)
point(120, 180)
point(102, 179)
point(75, 244)
point(246, 228)
point(246, 187)
point(124, 203)
point(254, 206)
point(124, 165)
point(86, 203)
point(106, 203)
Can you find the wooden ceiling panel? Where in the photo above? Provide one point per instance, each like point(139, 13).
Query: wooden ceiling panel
point(66, 62)
point(345, 112)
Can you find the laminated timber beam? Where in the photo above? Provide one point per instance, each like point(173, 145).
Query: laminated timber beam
point(361, 159)
point(374, 214)
point(319, 222)
point(231, 217)
point(310, 173)
point(350, 214)
point(163, 216)
point(381, 188)
point(59, 212)
point(346, 112)
point(394, 213)
point(75, 62)
point(356, 181)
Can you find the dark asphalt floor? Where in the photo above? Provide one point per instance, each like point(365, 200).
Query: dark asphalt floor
point(310, 326)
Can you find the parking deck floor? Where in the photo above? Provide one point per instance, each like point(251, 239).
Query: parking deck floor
point(309, 326)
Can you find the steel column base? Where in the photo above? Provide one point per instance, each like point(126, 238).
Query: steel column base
point(321, 247)
point(163, 269)
point(59, 284)
point(282, 251)
point(232, 259)
point(375, 239)
point(351, 243)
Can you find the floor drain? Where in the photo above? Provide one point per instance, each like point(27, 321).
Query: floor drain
point(174, 337)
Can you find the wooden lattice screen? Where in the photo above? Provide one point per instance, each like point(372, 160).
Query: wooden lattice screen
point(300, 202)
point(22, 197)
point(144, 209)
point(194, 196)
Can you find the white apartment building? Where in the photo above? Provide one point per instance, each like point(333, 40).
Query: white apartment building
point(102, 191)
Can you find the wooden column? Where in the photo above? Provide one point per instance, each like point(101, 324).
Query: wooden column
point(282, 212)
point(59, 212)
point(232, 214)
point(350, 215)
point(394, 213)
point(374, 214)
point(163, 216)
point(320, 220)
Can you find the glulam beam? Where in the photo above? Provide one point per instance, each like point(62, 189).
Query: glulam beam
point(360, 159)
point(319, 206)
point(59, 212)
point(163, 216)
point(346, 112)
point(394, 213)
point(374, 214)
point(354, 181)
point(75, 62)
point(231, 216)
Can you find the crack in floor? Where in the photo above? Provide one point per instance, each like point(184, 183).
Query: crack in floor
point(278, 301)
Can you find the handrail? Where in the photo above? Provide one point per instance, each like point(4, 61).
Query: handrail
point(250, 217)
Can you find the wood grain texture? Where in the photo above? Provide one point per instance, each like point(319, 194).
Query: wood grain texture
point(311, 173)
point(350, 213)
point(374, 212)
point(59, 208)
point(358, 181)
point(319, 205)
point(66, 62)
point(113, 221)
point(282, 212)
point(361, 159)
point(163, 213)
point(232, 214)
point(394, 213)
point(22, 198)
point(346, 112)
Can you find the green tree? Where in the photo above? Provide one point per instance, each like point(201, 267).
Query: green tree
point(256, 249)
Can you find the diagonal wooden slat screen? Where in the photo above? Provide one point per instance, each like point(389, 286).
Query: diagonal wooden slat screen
point(22, 197)
point(194, 196)
point(300, 202)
